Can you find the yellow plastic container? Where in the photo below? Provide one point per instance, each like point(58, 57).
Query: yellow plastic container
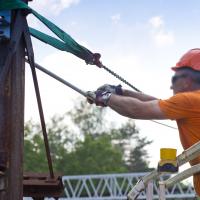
point(168, 154)
point(168, 161)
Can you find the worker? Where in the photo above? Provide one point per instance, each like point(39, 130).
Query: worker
point(183, 106)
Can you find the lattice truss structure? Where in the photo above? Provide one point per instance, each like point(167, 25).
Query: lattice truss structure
point(117, 186)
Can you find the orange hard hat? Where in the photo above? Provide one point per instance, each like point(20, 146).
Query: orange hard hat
point(190, 59)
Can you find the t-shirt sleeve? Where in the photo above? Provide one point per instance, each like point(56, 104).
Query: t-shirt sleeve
point(177, 107)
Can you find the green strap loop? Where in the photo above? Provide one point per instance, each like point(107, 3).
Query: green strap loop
point(13, 4)
point(66, 42)
point(54, 42)
point(70, 45)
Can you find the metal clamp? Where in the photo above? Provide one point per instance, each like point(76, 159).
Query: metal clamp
point(5, 24)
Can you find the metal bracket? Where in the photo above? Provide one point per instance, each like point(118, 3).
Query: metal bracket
point(40, 185)
point(5, 24)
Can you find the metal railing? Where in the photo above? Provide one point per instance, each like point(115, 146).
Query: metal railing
point(116, 187)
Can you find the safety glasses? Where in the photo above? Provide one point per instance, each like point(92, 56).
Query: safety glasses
point(176, 77)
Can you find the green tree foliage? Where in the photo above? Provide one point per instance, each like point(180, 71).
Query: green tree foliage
point(35, 158)
point(132, 146)
point(82, 143)
point(88, 118)
point(95, 156)
point(137, 160)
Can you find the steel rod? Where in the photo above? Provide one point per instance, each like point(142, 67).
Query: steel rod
point(30, 54)
point(59, 79)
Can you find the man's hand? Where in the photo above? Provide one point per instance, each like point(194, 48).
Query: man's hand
point(112, 89)
point(99, 97)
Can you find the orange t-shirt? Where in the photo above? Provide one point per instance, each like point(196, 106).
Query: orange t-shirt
point(185, 109)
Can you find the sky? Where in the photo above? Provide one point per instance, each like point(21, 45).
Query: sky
point(138, 39)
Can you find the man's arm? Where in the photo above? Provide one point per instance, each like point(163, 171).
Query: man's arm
point(117, 89)
point(138, 95)
point(135, 108)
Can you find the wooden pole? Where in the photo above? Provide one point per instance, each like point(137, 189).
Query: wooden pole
point(12, 117)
